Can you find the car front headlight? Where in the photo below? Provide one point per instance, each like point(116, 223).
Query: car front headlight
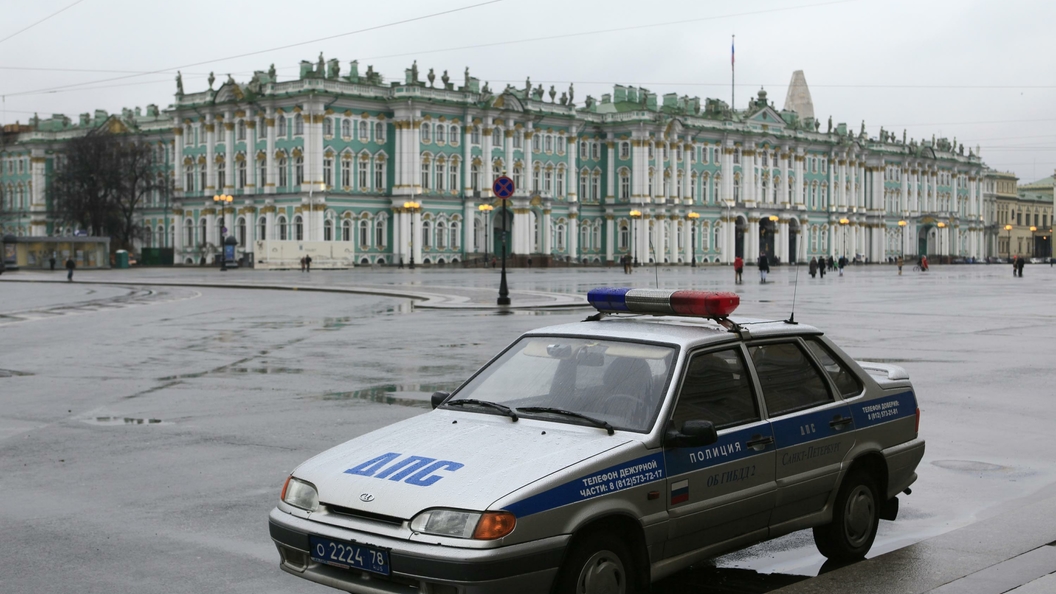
point(464, 524)
point(300, 494)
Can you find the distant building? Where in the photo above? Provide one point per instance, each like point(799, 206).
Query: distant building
point(333, 156)
point(798, 98)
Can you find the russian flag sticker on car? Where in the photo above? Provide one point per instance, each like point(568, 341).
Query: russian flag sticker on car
point(679, 492)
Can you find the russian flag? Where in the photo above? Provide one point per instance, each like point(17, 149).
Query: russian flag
point(679, 492)
point(731, 54)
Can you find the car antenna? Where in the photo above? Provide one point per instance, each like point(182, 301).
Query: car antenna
point(795, 288)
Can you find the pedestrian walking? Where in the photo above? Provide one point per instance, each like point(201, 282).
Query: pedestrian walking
point(529, 261)
point(51, 262)
point(70, 265)
point(308, 263)
point(1020, 262)
point(900, 262)
point(813, 267)
point(738, 268)
point(764, 268)
point(924, 263)
point(401, 263)
point(842, 262)
point(302, 263)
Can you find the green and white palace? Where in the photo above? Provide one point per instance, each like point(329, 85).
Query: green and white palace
point(341, 159)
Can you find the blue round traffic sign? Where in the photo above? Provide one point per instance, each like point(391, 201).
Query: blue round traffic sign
point(503, 187)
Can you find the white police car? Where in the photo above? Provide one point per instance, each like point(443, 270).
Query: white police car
point(603, 455)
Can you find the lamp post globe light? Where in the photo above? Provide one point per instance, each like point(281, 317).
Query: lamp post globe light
point(635, 215)
point(1009, 229)
point(903, 224)
point(774, 219)
point(941, 226)
point(412, 207)
point(486, 209)
point(1033, 242)
point(693, 216)
point(223, 200)
point(843, 223)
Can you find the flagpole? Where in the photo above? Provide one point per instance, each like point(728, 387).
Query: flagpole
point(732, 73)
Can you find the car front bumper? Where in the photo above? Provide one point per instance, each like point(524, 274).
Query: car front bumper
point(419, 568)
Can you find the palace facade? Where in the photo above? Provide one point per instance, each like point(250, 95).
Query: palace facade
point(345, 157)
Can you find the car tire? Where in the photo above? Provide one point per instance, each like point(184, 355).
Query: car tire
point(855, 517)
point(600, 563)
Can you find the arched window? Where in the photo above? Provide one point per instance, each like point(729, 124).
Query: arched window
point(328, 230)
point(283, 230)
point(240, 130)
point(584, 237)
point(496, 137)
point(474, 136)
point(597, 234)
point(518, 140)
point(262, 228)
point(560, 181)
point(456, 238)
point(548, 181)
point(328, 126)
point(453, 136)
point(625, 236)
point(221, 176)
point(364, 233)
point(364, 132)
point(425, 174)
point(625, 150)
point(441, 235)
point(262, 174)
point(559, 236)
point(298, 171)
point(426, 228)
point(188, 233)
point(346, 174)
point(454, 175)
point(379, 132)
point(203, 232)
point(379, 175)
point(283, 166)
point(240, 231)
point(364, 174)
point(346, 230)
point(298, 125)
point(346, 128)
point(241, 180)
point(282, 126)
point(625, 184)
point(440, 175)
point(440, 134)
point(298, 228)
point(379, 233)
point(474, 174)
point(426, 132)
point(595, 186)
point(328, 171)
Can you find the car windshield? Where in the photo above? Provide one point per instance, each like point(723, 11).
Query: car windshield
point(620, 383)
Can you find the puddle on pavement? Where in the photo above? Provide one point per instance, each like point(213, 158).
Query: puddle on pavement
point(969, 466)
point(13, 373)
point(707, 579)
point(113, 421)
point(391, 394)
point(262, 370)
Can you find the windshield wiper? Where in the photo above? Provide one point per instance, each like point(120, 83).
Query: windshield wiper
point(569, 413)
point(509, 412)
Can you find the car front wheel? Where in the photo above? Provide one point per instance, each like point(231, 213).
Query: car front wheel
point(598, 564)
point(855, 518)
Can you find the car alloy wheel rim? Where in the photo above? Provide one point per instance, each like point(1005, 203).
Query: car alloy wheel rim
point(603, 573)
point(859, 515)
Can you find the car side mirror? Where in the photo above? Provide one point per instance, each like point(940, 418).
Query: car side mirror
point(693, 434)
point(438, 398)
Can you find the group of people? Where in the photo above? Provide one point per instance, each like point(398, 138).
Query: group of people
point(820, 266)
point(306, 264)
point(738, 269)
point(1017, 266)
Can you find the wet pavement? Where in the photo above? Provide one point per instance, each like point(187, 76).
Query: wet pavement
point(147, 427)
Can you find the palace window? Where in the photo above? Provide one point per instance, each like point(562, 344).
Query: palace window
point(440, 176)
point(496, 138)
point(328, 172)
point(283, 229)
point(328, 230)
point(625, 184)
point(283, 172)
point(282, 126)
point(548, 144)
point(298, 125)
point(379, 233)
point(364, 233)
point(625, 236)
point(425, 175)
point(518, 140)
point(262, 173)
point(346, 230)
point(625, 150)
point(298, 228)
point(364, 178)
point(595, 151)
point(242, 175)
point(440, 134)
point(364, 132)
point(379, 175)
point(346, 128)
point(474, 175)
point(548, 182)
point(536, 143)
point(518, 176)
point(427, 133)
point(346, 174)
point(328, 127)
point(474, 136)
point(452, 137)
point(203, 177)
point(582, 149)
point(583, 181)
point(454, 174)
point(189, 180)
point(262, 228)
point(426, 235)
point(595, 187)
point(240, 130)
point(441, 235)
point(221, 169)
point(298, 171)
point(560, 181)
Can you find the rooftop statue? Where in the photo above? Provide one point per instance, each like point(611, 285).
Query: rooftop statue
point(830, 125)
point(553, 93)
point(414, 72)
point(230, 79)
point(527, 86)
point(334, 69)
point(431, 76)
point(467, 78)
point(320, 66)
point(571, 93)
point(179, 83)
point(564, 98)
point(271, 73)
point(211, 80)
point(445, 79)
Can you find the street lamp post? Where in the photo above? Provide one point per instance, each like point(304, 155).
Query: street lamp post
point(774, 219)
point(412, 207)
point(635, 215)
point(486, 209)
point(843, 223)
point(504, 292)
point(693, 216)
point(903, 224)
point(223, 200)
point(1033, 242)
point(1009, 229)
point(940, 234)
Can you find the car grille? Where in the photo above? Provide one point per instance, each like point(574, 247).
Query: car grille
point(364, 515)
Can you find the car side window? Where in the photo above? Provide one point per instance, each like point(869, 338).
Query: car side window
point(847, 383)
point(717, 388)
point(788, 379)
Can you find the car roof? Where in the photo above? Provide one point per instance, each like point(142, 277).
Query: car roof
point(683, 331)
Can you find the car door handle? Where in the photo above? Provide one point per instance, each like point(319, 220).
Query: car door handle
point(760, 440)
point(840, 422)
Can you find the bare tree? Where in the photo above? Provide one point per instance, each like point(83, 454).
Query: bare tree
point(86, 183)
point(137, 164)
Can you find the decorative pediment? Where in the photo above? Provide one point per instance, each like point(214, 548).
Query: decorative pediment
point(230, 91)
point(767, 116)
point(508, 101)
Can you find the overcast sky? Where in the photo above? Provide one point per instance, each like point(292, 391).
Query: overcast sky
point(983, 71)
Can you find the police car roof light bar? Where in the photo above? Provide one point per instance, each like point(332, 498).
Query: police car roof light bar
point(660, 302)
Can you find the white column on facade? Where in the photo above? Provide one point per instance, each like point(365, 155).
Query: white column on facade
point(610, 242)
point(229, 154)
point(210, 223)
point(210, 159)
point(673, 222)
point(417, 216)
point(570, 174)
point(467, 164)
point(914, 191)
point(272, 170)
point(529, 133)
point(251, 153)
point(507, 157)
point(177, 157)
point(469, 214)
point(687, 170)
point(781, 241)
point(751, 239)
point(548, 239)
point(250, 214)
point(573, 235)
point(610, 175)
point(178, 238)
point(486, 173)
point(269, 221)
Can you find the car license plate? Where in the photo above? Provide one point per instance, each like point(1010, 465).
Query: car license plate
point(349, 555)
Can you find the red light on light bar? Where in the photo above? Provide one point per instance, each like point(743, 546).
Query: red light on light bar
point(704, 303)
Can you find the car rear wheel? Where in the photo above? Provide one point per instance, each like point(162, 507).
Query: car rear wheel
point(598, 564)
point(855, 518)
